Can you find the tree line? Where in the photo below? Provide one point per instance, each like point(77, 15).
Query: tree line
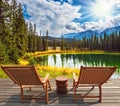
point(18, 36)
point(108, 43)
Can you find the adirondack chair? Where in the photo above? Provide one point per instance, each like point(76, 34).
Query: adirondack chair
point(91, 76)
point(27, 76)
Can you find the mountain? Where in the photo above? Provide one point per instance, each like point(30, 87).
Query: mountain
point(111, 30)
point(88, 33)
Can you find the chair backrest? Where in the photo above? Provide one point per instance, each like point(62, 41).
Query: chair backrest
point(22, 75)
point(95, 75)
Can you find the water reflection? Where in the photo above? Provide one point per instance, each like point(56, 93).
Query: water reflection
point(76, 60)
point(42, 60)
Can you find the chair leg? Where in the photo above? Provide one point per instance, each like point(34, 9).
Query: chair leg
point(100, 93)
point(46, 90)
point(74, 93)
point(22, 95)
point(73, 84)
point(30, 88)
point(49, 84)
point(43, 86)
point(93, 87)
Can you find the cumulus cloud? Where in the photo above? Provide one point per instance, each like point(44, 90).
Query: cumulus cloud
point(71, 27)
point(52, 16)
point(116, 3)
point(58, 18)
point(102, 25)
point(110, 21)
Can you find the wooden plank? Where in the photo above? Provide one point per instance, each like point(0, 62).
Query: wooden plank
point(10, 93)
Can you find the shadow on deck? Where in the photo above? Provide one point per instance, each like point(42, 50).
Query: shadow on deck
point(10, 95)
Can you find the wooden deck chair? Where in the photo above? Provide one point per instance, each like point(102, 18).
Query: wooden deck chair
point(26, 76)
point(92, 76)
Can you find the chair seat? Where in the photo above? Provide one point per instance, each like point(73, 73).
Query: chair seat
point(27, 76)
point(92, 77)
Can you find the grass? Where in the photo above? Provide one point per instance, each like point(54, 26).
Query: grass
point(2, 74)
point(52, 70)
point(55, 71)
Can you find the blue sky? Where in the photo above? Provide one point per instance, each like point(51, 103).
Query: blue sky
point(68, 16)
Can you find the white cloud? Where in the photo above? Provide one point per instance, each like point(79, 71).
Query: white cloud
point(51, 15)
point(71, 27)
point(102, 25)
point(110, 21)
point(115, 3)
point(58, 18)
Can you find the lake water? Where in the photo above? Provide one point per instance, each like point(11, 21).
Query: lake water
point(76, 60)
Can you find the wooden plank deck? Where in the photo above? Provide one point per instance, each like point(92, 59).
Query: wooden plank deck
point(10, 95)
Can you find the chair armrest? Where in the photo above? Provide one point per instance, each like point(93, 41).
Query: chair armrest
point(75, 77)
point(46, 78)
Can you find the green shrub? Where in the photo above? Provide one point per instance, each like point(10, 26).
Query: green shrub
point(4, 58)
point(32, 61)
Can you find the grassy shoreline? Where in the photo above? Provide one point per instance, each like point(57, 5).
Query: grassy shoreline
point(49, 52)
point(54, 71)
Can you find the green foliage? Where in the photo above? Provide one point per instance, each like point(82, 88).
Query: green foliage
point(13, 55)
point(13, 32)
point(17, 37)
point(3, 54)
point(62, 43)
point(2, 74)
point(46, 40)
point(54, 44)
point(32, 61)
point(43, 43)
point(26, 56)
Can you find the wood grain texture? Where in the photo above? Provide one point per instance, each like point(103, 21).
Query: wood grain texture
point(10, 95)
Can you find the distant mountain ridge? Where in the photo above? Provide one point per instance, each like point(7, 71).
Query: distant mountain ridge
point(88, 33)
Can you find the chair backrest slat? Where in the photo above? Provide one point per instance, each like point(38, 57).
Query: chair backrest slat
point(95, 75)
point(22, 75)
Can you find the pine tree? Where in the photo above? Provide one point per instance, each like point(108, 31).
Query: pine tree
point(30, 38)
point(2, 23)
point(105, 44)
point(11, 41)
point(4, 58)
point(21, 33)
point(40, 42)
point(73, 44)
point(46, 40)
point(54, 44)
point(101, 43)
point(43, 43)
point(118, 41)
point(34, 39)
point(62, 43)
